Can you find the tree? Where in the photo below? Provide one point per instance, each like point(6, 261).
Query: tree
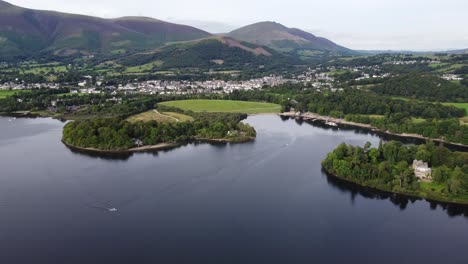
point(423, 154)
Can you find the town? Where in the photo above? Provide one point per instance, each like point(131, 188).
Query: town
point(319, 78)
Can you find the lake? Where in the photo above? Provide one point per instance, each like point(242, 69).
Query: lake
point(266, 201)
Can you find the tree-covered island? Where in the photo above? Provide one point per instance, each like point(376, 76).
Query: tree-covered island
point(118, 134)
point(426, 171)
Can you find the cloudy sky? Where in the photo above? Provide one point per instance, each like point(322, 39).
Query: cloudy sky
point(357, 24)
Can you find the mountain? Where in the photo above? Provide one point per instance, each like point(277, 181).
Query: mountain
point(291, 40)
point(29, 32)
point(213, 52)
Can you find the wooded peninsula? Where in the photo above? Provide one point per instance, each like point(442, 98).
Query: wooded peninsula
point(425, 171)
point(117, 134)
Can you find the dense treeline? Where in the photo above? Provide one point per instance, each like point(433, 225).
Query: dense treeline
point(37, 99)
point(204, 53)
point(396, 116)
point(104, 104)
point(353, 101)
point(462, 70)
point(423, 87)
point(118, 134)
point(349, 101)
point(447, 129)
point(41, 99)
point(388, 168)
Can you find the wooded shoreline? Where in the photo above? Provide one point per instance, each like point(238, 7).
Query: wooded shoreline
point(158, 147)
point(407, 194)
point(339, 121)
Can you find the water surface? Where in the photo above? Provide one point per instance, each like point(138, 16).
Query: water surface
point(262, 202)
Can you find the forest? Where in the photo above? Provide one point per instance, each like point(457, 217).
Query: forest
point(351, 101)
point(388, 168)
point(432, 120)
point(423, 87)
point(115, 134)
point(450, 130)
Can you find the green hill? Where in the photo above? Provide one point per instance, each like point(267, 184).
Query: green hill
point(291, 40)
point(423, 87)
point(212, 52)
point(29, 32)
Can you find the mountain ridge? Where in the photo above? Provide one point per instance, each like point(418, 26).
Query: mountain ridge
point(30, 31)
point(282, 38)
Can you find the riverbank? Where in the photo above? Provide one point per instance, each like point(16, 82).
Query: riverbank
point(339, 121)
point(422, 194)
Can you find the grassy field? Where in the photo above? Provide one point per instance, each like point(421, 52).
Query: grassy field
point(225, 106)
point(401, 98)
point(178, 116)
point(459, 105)
point(46, 69)
point(5, 93)
point(337, 72)
point(377, 116)
point(418, 120)
point(463, 120)
point(166, 117)
point(143, 68)
point(450, 67)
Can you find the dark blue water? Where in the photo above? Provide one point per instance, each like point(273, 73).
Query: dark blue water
point(261, 202)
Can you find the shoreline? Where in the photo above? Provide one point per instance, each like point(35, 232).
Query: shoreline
point(340, 121)
point(159, 147)
point(409, 195)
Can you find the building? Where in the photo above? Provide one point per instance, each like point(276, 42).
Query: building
point(422, 171)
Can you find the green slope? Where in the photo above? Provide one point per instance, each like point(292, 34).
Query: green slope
point(213, 52)
point(28, 32)
point(292, 40)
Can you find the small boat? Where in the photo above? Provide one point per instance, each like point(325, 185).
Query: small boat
point(112, 209)
point(329, 123)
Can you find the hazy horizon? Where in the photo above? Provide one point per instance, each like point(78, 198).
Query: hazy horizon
point(358, 24)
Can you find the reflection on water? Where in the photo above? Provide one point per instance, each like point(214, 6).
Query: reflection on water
point(399, 200)
point(382, 135)
point(266, 201)
point(127, 155)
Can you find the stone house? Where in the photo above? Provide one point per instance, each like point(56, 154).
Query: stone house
point(422, 171)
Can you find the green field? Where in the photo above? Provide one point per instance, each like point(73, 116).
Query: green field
point(165, 117)
point(450, 67)
point(143, 68)
point(459, 105)
point(337, 72)
point(225, 106)
point(463, 120)
point(5, 93)
point(46, 70)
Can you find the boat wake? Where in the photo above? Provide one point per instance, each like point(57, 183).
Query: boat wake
point(109, 209)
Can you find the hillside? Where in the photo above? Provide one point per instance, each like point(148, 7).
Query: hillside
point(29, 32)
point(423, 87)
point(212, 52)
point(289, 40)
